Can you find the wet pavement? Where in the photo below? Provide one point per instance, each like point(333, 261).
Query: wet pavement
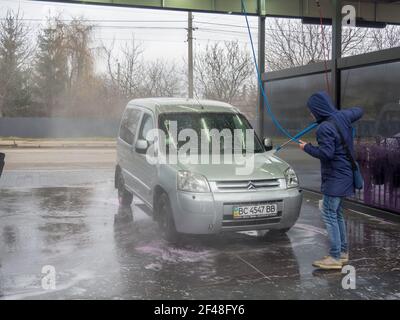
point(71, 220)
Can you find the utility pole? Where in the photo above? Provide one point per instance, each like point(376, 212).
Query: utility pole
point(261, 68)
point(190, 53)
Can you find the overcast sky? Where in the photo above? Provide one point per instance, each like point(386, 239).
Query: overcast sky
point(161, 33)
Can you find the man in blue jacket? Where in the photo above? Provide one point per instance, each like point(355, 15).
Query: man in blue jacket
point(336, 171)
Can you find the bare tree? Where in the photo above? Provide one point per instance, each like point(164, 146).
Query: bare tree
point(354, 40)
point(132, 77)
point(80, 53)
point(15, 55)
point(126, 70)
point(84, 84)
point(221, 70)
point(66, 83)
point(384, 38)
point(289, 43)
point(160, 79)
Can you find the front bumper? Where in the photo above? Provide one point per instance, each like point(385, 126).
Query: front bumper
point(210, 213)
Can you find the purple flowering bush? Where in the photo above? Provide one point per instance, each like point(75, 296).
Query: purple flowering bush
point(380, 166)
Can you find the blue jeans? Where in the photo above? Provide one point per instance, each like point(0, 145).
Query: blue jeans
point(332, 215)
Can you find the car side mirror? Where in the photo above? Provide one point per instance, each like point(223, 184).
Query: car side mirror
point(141, 146)
point(268, 144)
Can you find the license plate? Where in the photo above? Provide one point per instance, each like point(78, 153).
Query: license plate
point(255, 211)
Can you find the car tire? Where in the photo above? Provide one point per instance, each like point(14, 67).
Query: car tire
point(125, 198)
point(272, 233)
point(284, 230)
point(278, 231)
point(166, 220)
point(124, 216)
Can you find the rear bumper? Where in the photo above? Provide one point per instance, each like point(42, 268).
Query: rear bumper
point(210, 213)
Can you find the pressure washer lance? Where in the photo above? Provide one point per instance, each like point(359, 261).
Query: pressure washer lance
point(297, 136)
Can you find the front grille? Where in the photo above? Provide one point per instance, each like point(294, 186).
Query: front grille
point(245, 185)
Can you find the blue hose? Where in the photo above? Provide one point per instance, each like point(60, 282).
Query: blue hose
point(267, 105)
point(274, 120)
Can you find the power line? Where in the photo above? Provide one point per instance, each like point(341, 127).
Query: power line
point(140, 27)
point(163, 40)
point(137, 39)
point(221, 30)
point(223, 24)
point(163, 27)
point(218, 40)
point(200, 29)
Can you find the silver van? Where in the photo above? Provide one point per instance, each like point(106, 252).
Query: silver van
point(204, 197)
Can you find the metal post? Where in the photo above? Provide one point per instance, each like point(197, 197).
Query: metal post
point(336, 50)
point(190, 53)
point(261, 66)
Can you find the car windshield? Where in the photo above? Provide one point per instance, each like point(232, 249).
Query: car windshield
point(220, 132)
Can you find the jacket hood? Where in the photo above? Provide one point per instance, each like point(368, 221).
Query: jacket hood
point(321, 106)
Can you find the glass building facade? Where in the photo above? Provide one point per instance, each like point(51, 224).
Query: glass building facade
point(375, 88)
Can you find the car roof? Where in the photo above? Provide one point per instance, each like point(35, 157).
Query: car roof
point(173, 105)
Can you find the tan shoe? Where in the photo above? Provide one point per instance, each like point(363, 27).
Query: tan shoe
point(316, 263)
point(344, 258)
point(328, 263)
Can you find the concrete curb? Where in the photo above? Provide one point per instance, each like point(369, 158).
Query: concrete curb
point(360, 207)
point(55, 144)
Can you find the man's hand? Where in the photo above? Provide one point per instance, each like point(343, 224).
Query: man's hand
point(302, 144)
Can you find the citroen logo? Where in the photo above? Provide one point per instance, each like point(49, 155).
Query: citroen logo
point(251, 186)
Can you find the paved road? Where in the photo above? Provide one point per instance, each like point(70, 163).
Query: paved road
point(37, 166)
point(67, 216)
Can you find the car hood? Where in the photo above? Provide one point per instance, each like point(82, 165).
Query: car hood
point(266, 166)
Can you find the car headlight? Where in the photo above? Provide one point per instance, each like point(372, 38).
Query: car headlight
point(192, 182)
point(291, 178)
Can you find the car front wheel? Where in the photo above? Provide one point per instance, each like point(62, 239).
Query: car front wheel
point(166, 220)
point(272, 233)
point(279, 231)
point(125, 198)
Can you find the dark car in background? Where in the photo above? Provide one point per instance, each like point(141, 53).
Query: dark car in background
point(388, 121)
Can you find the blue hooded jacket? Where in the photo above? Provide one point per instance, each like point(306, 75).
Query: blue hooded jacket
point(336, 172)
